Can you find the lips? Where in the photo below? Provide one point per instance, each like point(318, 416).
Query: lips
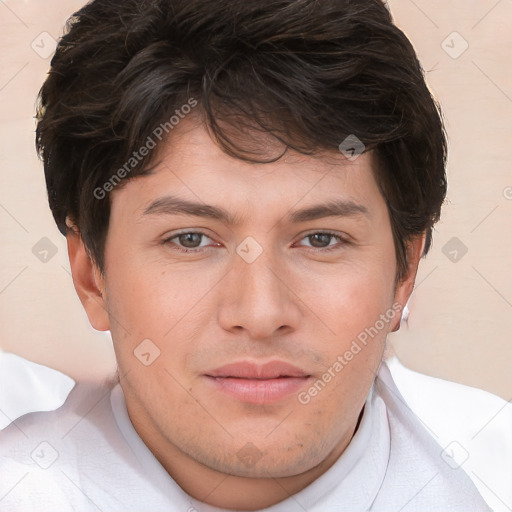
point(248, 370)
point(258, 384)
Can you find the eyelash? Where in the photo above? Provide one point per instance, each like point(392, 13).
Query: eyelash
point(341, 239)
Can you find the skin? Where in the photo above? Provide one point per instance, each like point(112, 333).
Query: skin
point(297, 302)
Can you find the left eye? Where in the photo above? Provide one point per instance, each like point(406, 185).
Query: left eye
point(322, 239)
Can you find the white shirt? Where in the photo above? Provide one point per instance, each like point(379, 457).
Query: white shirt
point(473, 425)
point(26, 386)
point(87, 456)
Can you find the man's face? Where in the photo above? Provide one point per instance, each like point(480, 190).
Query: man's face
point(248, 323)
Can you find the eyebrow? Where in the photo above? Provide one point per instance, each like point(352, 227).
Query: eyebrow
point(171, 205)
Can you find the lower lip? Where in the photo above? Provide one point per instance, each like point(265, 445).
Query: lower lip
point(259, 391)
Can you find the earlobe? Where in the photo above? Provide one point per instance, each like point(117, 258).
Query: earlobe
point(405, 286)
point(88, 281)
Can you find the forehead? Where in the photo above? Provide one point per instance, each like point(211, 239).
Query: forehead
point(192, 144)
point(190, 165)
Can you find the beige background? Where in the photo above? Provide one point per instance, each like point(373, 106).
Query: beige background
point(460, 322)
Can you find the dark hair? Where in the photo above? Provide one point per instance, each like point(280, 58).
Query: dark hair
point(309, 72)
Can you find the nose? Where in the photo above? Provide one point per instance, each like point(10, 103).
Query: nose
point(257, 298)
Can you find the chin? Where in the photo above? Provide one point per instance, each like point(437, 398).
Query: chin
point(250, 462)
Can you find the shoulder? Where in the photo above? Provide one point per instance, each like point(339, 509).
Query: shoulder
point(79, 404)
point(77, 457)
point(473, 427)
point(420, 471)
point(26, 386)
point(42, 453)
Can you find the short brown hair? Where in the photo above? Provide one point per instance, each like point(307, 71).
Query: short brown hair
point(309, 72)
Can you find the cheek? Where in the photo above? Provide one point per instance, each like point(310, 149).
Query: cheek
point(350, 309)
point(149, 297)
point(350, 297)
point(169, 307)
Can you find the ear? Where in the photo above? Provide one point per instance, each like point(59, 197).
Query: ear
point(405, 286)
point(88, 281)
